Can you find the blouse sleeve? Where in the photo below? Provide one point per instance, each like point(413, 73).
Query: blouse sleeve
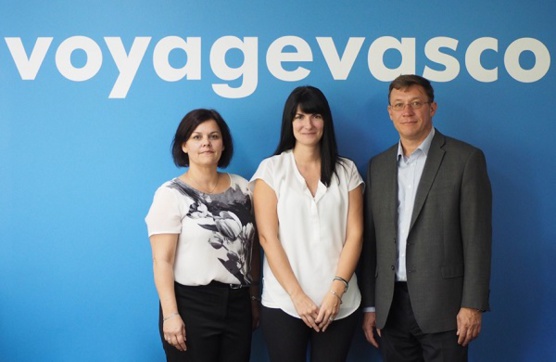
point(164, 216)
point(264, 172)
point(353, 176)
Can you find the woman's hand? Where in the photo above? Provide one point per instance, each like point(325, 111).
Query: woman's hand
point(307, 310)
point(328, 310)
point(174, 332)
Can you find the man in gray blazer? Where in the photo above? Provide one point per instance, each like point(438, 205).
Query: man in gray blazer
point(427, 251)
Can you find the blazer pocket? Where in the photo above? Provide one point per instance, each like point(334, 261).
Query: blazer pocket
point(452, 271)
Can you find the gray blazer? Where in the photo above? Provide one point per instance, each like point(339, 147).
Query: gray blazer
point(449, 243)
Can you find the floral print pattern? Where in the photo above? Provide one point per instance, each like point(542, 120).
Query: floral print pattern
point(229, 216)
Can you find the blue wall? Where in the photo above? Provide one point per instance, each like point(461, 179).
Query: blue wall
point(85, 132)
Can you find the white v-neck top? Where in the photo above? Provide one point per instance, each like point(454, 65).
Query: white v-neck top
point(312, 231)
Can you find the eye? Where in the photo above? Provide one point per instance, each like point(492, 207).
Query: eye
point(196, 137)
point(397, 106)
point(416, 104)
point(298, 116)
point(317, 116)
point(215, 136)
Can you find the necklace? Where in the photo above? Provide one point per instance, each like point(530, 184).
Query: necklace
point(197, 184)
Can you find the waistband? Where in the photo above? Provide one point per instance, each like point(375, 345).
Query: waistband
point(214, 283)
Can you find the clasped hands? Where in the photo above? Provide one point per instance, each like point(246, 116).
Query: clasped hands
point(314, 317)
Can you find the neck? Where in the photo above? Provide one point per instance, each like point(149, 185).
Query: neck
point(203, 173)
point(203, 179)
point(410, 145)
point(306, 155)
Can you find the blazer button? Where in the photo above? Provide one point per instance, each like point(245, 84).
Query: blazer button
point(392, 267)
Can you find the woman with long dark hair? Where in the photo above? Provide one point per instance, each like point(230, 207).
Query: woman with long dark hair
point(308, 208)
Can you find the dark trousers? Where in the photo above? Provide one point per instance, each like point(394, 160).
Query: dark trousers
point(288, 338)
point(217, 324)
point(403, 341)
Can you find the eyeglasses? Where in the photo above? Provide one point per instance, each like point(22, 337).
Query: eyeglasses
point(413, 105)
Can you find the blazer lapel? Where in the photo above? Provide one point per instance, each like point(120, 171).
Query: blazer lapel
point(434, 159)
point(389, 189)
point(390, 172)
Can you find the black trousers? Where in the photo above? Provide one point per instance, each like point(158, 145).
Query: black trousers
point(288, 339)
point(403, 341)
point(217, 324)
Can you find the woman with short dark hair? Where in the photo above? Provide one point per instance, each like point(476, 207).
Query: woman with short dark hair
point(205, 250)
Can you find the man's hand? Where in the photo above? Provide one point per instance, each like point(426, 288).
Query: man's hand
point(369, 326)
point(469, 325)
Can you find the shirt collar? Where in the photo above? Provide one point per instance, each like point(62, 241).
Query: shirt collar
point(424, 146)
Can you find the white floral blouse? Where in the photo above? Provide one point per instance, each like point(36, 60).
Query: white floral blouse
point(216, 231)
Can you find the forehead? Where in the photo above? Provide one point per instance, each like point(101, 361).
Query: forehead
point(207, 126)
point(411, 92)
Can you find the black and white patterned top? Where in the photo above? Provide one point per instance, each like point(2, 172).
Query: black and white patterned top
point(216, 231)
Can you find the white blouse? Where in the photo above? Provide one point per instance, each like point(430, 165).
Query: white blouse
point(312, 231)
point(216, 231)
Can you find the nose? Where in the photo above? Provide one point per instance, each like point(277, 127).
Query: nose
point(308, 121)
point(407, 108)
point(206, 141)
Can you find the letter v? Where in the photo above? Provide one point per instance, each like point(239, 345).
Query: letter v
point(28, 67)
point(340, 67)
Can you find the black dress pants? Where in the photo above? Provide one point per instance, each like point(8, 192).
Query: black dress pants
point(217, 324)
point(403, 341)
point(288, 339)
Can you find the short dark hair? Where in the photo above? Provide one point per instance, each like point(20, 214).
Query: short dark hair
point(405, 81)
point(186, 127)
point(310, 100)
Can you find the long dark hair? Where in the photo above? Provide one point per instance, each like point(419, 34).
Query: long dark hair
point(311, 100)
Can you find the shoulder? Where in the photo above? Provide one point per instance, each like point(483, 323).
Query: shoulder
point(278, 160)
point(168, 187)
point(459, 144)
point(454, 146)
point(346, 164)
point(275, 163)
point(347, 173)
point(272, 170)
point(346, 161)
point(238, 180)
point(385, 155)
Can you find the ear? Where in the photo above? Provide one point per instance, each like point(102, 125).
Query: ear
point(433, 106)
point(389, 109)
point(184, 147)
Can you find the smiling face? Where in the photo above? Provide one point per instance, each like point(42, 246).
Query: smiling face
point(412, 122)
point(204, 147)
point(307, 128)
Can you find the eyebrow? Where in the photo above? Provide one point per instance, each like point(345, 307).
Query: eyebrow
point(199, 132)
point(418, 98)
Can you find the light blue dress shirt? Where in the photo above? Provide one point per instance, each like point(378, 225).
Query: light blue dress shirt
point(410, 169)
